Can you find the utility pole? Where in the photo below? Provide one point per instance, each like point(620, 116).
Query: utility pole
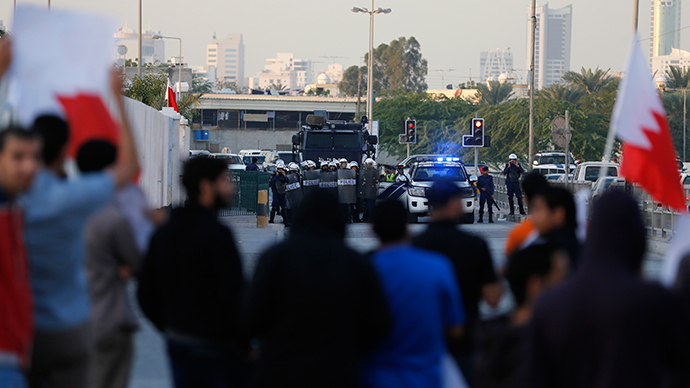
point(531, 84)
point(359, 90)
point(476, 154)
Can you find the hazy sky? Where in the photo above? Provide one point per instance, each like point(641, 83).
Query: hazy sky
point(451, 33)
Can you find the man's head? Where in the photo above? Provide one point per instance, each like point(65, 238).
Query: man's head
point(533, 270)
point(207, 183)
point(343, 163)
point(20, 159)
point(96, 155)
point(553, 208)
point(512, 158)
point(485, 171)
point(532, 184)
point(321, 217)
point(390, 221)
point(445, 200)
point(255, 159)
point(55, 134)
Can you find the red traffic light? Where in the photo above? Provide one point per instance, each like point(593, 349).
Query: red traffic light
point(411, 125)
point(478, 124)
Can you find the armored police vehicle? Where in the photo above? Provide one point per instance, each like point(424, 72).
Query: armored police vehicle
point(321, 139)
point(422, 176)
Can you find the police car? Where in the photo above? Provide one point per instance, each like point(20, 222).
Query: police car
point(421, 177)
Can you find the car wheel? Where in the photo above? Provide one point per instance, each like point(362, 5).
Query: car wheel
point(468, 218)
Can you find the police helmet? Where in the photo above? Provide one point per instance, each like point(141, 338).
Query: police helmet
point(332, 164)
point(280, 163)
point(512, 156)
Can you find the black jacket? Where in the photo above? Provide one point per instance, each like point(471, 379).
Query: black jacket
point(318, 307)
point(473, 268)
point(191, 280)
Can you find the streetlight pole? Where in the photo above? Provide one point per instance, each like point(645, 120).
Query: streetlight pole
point(139, 59)
point(370, 65)
point(531, 85)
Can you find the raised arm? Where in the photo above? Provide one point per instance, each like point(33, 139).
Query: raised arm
point(5, 55)
point(127, 164)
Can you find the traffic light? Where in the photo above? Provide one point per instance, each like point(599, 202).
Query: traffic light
point(478, 132)
point(411, 130)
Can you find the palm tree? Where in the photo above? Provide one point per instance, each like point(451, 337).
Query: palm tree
point(494, 93)
point(279, 86)
point(562, 93)
point(592, 82)
point(677, 78)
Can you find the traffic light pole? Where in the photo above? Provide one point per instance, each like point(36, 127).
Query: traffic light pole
point(408, 150)
point(476, 154)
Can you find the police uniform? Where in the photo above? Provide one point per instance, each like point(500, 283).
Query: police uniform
point(278, 184)
point(485, 196)
point(513, 173)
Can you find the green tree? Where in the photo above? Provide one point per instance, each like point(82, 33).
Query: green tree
point(677, 78)
point(562, 93)
point(348, 85)
point(592, 82)
point(673, 104)
point(151, 88)
point(200, 85)
point(223, 84)
point(494, 93)
point(399, 65)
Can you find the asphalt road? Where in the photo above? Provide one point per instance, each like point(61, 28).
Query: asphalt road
point(151, 369)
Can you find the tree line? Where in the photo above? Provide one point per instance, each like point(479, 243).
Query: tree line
point(589, 96)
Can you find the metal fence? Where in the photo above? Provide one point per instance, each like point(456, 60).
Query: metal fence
point(248, 184)
point(658, 219)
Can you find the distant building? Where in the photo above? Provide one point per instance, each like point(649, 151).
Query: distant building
point(208, 73)
point(335, 73)
point(495, 63)
point(552, 44)
point(227, 55)
point(678, 58)
point(665, 27)
point(152, 50)
point(285, 70)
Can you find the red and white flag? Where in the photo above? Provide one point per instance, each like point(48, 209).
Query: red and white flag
point(639, 120)
point(61, 65)
point(170, 97)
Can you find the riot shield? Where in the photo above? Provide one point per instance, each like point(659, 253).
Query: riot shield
point(329, 182)
point(311, 181)
point(293, 191)
point(369, 183)
point(347, 186)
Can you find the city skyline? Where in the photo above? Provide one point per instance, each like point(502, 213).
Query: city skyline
point(447, 31)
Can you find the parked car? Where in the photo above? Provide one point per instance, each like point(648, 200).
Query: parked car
point(247, 159)
point(234, 161)
point(197, 153)
point(589, 171)
point(554, 177)
point(604, 184)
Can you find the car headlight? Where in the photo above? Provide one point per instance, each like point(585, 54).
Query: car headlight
point(416, 191)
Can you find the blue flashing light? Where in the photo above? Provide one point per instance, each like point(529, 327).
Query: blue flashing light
point(456, 159)
point(439, 159)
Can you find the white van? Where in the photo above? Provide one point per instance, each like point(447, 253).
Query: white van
point(589, 171)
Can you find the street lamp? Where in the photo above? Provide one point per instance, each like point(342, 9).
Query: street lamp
point(179, 78)
point(370, 66)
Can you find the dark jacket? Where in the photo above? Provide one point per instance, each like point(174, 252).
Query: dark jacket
point(500, 351)
point(604, 326)
point(278, 183)
point(252, 167)
point(487, 182)
point(316, 304)
point(473, 268)
point(513, 173)
point(191, 280)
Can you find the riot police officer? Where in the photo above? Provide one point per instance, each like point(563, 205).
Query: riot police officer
point(485, 183)
point(513, 171)
point(369, 186)
point(293, 192)
point(278, 184)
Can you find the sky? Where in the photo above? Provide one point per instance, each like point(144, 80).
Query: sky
point(452, 33)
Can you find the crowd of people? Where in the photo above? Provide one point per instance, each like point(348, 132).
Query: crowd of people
point(316, 313)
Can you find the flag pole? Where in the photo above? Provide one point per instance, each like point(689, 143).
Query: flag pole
point(611, 138)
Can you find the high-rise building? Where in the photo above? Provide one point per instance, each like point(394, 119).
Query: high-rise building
point(552, 44)
point(287, 71)
point(495, 63)
point(665, 27)
point(152, 50)
point(662, 63)
point(227, 55)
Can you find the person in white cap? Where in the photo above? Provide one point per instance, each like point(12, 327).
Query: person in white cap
point(343, 164)
point(333, 166)
point(324, 166)
point(513, 171)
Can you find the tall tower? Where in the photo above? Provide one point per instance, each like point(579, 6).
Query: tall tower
point(227, 55)
point(665, 34)
point(552, 44)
